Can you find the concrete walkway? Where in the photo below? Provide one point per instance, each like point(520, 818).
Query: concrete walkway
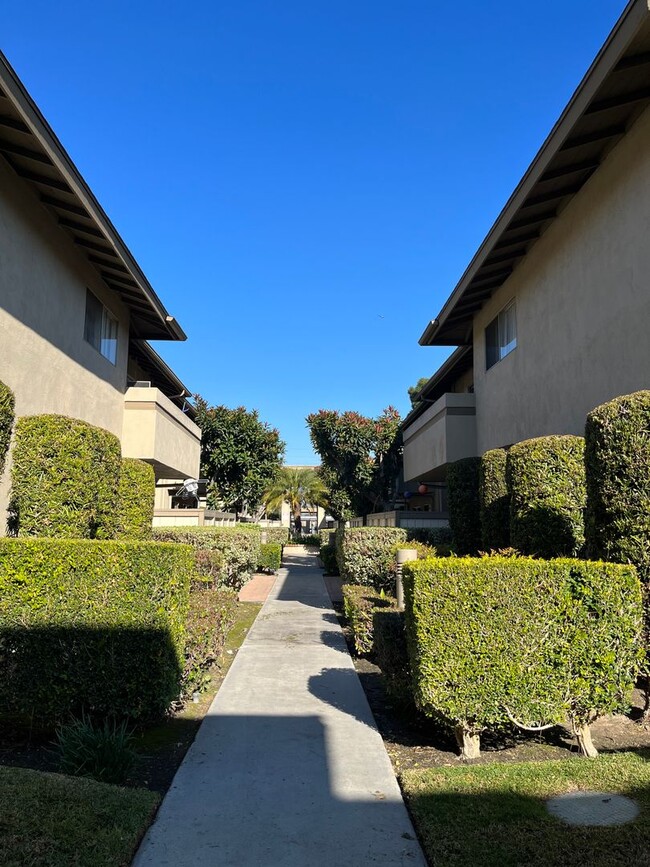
point(288, 769)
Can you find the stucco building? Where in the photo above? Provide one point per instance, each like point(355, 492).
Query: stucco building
point(552, 315)
point(76, 311)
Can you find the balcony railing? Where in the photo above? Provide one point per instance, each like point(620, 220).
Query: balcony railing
point(444, 433)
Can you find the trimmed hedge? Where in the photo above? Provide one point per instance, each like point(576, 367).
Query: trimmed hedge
point(276, 535)
point(617, 459)
point(326, 538)
point(464, 504)
point(440, 538)
point(546, 481)
point(92, 627)
point(494, 500)
point(541, 640)
point(209, 620)
point(391, 655)
point(65, 476)
point(270, 557)
point(365, 555)
point(227, 556)
point(135, 500)
point(359, 605)
point(7, 407)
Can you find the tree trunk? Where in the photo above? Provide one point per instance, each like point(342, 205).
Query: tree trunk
point(469, 743)
point(583, 736)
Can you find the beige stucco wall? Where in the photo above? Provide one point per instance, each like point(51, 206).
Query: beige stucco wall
point(445, 432)
point(583, 309)
point(155, 430)
point(43, 356)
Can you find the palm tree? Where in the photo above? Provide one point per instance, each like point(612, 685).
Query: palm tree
point(297, 486)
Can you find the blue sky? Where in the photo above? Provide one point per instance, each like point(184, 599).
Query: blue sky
point(303, 182)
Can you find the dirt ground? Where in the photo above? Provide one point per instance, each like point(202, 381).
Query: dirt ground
point(413, 741)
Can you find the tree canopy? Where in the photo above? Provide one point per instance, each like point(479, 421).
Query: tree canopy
point(240, 455)
point(415, 390)
point(359, 458)
point(296, 486)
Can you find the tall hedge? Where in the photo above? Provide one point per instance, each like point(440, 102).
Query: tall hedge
point(135, 500)
point(495, 637)
point(276, 535)
point(7, 406)
point(65, 476)
point(89, 626)
point(494, 500)
point(365, 555)
point(227, 556)
point(546, 481)
point(464, 504)
point(617, 460)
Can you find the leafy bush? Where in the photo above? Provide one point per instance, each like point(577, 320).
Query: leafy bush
point(494, 500)
point(135, 499)
point(359, 604)
point(104, 751)
point(546, 481)
point(91, 626)
point(278, 535)
point(328, 558)
point(440, 538)
point(391, 654)
point(227, 556)
point(365, 555)
point(464, 504)
point(496, 637)
point(270, 557)
point(64, 476)
point(312, 540)
point(423, 550)
point(7, 405)
point(326, 538)
point(209, 620)
point(617, 459)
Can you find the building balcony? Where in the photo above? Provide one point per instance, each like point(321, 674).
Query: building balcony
point(156, 431)
point(445, 432)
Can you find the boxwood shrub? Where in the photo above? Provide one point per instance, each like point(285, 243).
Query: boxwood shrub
point(494, 500)
point(209, 620)
point(617, 459)
point(546, 481)
point(92, 627)
point(270, 557)
point(135, 500)
point(228, 556)
point(464, 504)
point(359, 605)
point(7, 405)
point(440, 538)
point(65, 475)
point(326, 538)
point(365, 555)
point(540, 641)
point(391, 655)
point(277, 535)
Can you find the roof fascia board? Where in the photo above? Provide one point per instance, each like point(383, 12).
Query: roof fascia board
point(41, 130)
point(624, 31)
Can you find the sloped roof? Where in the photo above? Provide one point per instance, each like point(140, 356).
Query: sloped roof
point(612, 95)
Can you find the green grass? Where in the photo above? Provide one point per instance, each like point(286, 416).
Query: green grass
point(495, 815)
point(48, 820)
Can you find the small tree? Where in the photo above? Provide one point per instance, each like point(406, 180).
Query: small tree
point(360, 458)
point(240, 455)
point(415, 390)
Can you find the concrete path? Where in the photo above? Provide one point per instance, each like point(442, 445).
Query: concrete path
point(288, 769)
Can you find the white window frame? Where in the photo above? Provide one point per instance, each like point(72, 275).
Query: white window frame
point(502, 347)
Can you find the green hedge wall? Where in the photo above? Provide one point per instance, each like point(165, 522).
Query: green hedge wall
point(270, 557)
point(135, 500)
point(7, 405)
point(65, 476)
point(359, 605)
point(326, 538)
point(440, 538)
point(494, 500)
point(464, 504)
point(365, 556)
point(546, 481)
point(617, 459)
point(276, 535)
point(88, 626)
point(209, 620)
point(391, 655)
point(541, 639)
point(227, 556)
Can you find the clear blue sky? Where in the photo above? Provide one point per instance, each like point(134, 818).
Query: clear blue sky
point(303, 182)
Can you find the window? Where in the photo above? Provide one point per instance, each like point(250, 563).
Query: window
point(500, 336)
point(100, 328)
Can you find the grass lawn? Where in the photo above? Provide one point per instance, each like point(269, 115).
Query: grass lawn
point(48, 820)
point(495, 815)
